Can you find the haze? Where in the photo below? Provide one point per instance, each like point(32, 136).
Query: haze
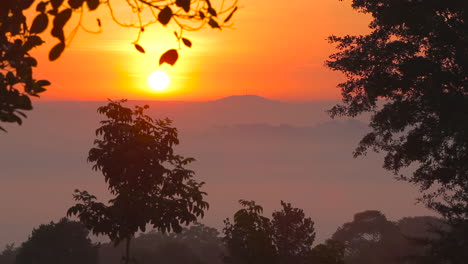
point(247, 147)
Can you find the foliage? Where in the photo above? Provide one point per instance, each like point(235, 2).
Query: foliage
point(371, 238)
point(415, 62)
point(249, 240)
point(452, 246)
point(149, 181)
point(193, 245)
point(16, 64)
point(331, 252)
point(8, 255)
point(58, 243)
point(293, 234)
point(253, 238)
point(18, 37)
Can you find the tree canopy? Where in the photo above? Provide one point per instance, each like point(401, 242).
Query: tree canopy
point(19, 35)
point(57, 243)
point(286, 238)
point(411, 73)
point(150, 182)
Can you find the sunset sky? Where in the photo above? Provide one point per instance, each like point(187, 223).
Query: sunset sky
point(276, 49)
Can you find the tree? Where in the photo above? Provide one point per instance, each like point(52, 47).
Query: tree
point(58, 243)
point(151, 183)
point(8, 255)
point(370, 238)
point(18, 37)
point(249, 240)
point(451, 247)
point(331, 252)
point(253, 238)
point(293, 234)
point(411, 73)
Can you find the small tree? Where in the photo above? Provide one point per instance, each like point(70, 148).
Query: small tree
point(293, 234)
point(58, 243)
point(253, 238)
point(149, 181)
point(249, 240)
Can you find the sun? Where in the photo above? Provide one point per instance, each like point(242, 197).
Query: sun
point(159, 81)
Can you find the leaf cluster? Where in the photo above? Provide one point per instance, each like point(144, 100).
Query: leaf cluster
point(16, 64)
point(18, 36)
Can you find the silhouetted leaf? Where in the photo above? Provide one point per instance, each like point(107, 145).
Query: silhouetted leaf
point(212, 11)
point(43, 83)
point(230, 15)
point(165, 15)
point(56, 3)
point(75, 3)
point(140, 48)
point(58, 33)
point(185, 4)
point(169, 57)
point(187, 42)
point(92, 4)
point(39, 24)
point(32, 42)
point(41, 7)
point(99, 22)
point(202, 15)
point(177, 35)
point(209, 3)
point(213, 23)
point(62, 18)
point(56, 51)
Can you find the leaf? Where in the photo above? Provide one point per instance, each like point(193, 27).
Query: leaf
point(75, 3)
point(185, 4)
point(56, 3)
point(202, 15)
point(209, 3)
point(177, 35)
point(92, 4)
point(56, 51)
point(58, 33)
point(39, 24)
point(187, 42)
point(139, 48)
point(99, 22)
point(43, 82)
point(212, 12)
point(169, 57)
point(230, 15)
point(213, 23)
point(62, 18)
point(165, 15)
point(41, 7)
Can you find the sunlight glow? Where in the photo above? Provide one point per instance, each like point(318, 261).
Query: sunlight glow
point(159, 81)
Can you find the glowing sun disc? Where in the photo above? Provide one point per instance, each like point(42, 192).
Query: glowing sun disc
point(159, 81)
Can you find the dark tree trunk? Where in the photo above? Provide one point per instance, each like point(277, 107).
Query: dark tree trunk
point(127, 250)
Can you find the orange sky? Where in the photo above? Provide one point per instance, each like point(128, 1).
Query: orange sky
point(276, 50)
